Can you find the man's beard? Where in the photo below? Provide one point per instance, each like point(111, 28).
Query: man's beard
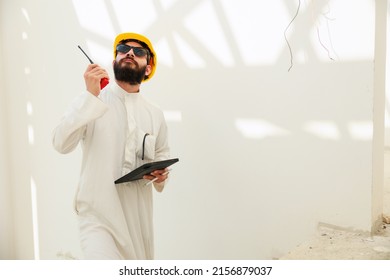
point(127, 74)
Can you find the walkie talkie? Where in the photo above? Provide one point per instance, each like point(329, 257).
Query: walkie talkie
point(104, 81)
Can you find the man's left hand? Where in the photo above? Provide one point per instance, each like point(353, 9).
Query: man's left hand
point(161, 175)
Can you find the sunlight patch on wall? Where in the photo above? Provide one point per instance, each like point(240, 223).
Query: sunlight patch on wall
point(259, 129)
point(323, 129)
point(98, 53)
point(27, 70)
point(30, 128)
point(29, 108)
point(387, 109)
point(173, 116)
point(164, 53)
point(204, 24)
point(34, 210)
point(134, 16)
point(93, 16)
point(166, 4)
point(387, 117)
point(301, 56)
point(24, 36)
point(188, 54)
point(30, 134)
point(258, 28)
point(26, 16)
point(361, 130)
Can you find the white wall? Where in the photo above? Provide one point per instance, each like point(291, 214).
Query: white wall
point(379, 112)
point(17, 158)
point(265, 153)
point(386, 198)
point(6, 226)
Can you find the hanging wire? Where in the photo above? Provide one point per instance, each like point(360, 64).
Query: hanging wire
point(327, 18)
point(285, 36)
point(322, 44)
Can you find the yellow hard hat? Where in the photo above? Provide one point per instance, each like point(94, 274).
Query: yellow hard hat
point(138, 37)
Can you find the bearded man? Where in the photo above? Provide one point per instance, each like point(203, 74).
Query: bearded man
point(119, 130)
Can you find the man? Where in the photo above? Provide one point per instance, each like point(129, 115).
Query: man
point(119, 131)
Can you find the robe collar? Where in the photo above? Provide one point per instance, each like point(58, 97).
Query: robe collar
point(121, 93)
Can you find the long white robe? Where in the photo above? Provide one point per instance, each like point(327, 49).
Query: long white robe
point(116, 221)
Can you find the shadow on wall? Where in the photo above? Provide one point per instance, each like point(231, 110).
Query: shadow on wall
point(263, 152)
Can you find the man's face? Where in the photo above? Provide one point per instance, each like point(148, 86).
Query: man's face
point(129, 67)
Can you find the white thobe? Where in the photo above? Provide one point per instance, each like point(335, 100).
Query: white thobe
point(116, 221)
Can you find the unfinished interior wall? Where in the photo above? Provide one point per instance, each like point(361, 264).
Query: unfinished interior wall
point(266, 153)
point(386, 196)
point(17, 159)
point(379, 112)
point(6, 225)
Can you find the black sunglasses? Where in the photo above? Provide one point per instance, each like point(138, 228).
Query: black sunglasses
point(138, 51)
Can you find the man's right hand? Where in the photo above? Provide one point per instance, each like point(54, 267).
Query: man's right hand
point(92, 77)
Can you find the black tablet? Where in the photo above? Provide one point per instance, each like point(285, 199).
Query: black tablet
point(145, 169)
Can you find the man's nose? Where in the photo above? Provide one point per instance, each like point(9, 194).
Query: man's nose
point(131, 52)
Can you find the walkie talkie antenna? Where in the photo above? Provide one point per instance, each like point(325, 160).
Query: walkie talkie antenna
point(103, 81)
point(90, 60)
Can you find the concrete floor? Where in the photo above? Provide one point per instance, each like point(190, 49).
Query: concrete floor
point(338, 244)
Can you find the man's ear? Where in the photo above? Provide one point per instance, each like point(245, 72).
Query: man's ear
point(148, 70)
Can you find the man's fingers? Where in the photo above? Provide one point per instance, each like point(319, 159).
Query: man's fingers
point(93, 75)
point(96, 70)
point(159, 175)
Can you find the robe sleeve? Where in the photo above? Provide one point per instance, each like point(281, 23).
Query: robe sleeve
point(162, 149)
point(84, 109)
